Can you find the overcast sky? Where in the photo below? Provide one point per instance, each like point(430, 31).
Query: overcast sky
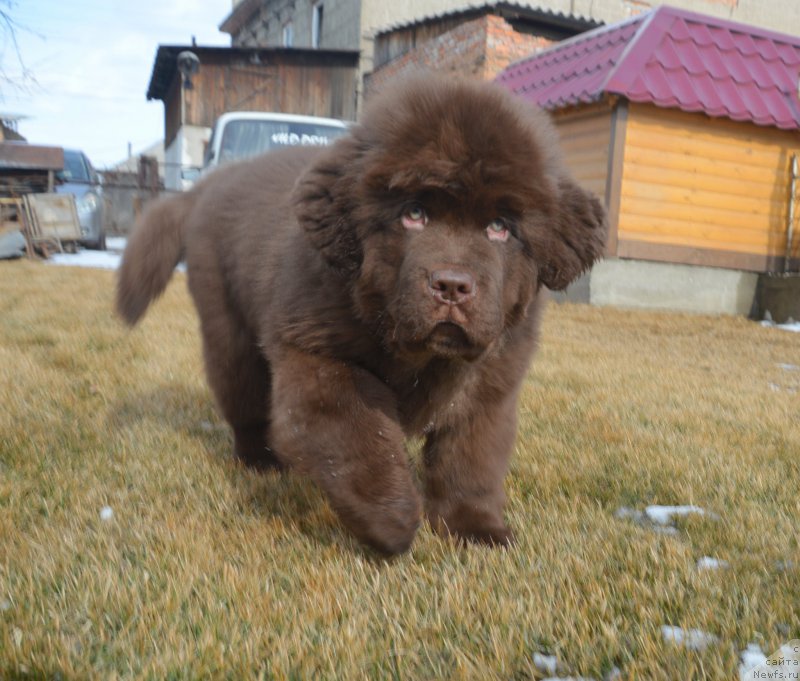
point(92, 61)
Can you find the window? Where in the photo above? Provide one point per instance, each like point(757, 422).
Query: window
point(76, 168)
point(288, 34)
point(246, 138)
point(316, 24)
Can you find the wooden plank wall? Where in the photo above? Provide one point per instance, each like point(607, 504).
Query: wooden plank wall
point(296, 87)
point(585, 139)
point(715, 188)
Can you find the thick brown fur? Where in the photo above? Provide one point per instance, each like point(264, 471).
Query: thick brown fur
point(384, 287)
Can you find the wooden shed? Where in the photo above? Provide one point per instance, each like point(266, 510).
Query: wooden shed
point(300, 81)
point(687, 126)
point(310, 82)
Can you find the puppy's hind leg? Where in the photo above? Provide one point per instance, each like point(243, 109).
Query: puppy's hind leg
point(237, 372)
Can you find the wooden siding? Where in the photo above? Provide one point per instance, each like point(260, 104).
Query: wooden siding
point(585, 140)
point(708, 186)
point(286, 82)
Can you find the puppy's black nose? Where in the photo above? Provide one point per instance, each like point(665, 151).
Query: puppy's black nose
point(452, 287)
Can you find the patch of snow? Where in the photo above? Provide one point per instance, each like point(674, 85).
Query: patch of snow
point(5, 605)
point(660, 519)
point(106, 513)
point(627, 513)
point(665, 515)
point(103, 260)
point(641, 518)
point(708, 563)
point(751, 657)
point(614, 674)
point(789, 651)
point(788, 367)
point(782, 664)
point(788, 326)
point(547, 664)
point(116, 243)
point(774, 387)
point(693, 639)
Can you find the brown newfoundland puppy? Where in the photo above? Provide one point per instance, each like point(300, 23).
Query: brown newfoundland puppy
point(383, 287)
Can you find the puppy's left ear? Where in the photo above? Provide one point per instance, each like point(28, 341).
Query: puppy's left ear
point(324, 200)
point(578, 236)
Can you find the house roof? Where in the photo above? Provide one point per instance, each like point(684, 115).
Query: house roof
point(17, 155)
point(567, 24)
point(239, 16)
point(671, 58)
point(165, 68)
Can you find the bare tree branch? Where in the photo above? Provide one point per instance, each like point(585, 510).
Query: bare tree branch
point(24, 79)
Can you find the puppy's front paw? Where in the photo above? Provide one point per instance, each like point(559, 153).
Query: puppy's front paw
point(492, 536)
point(386, 525)
point(472, 525)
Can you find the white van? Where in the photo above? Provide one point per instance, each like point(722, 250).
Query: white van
point(238, 135)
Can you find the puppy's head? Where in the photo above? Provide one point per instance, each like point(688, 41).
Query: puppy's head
point(448, 207)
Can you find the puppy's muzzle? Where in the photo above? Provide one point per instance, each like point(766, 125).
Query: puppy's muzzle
point(452, 287)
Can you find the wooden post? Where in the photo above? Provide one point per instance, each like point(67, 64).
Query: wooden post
point(792, 213)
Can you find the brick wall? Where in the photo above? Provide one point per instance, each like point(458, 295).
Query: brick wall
point(505, 46)
point(480, 48)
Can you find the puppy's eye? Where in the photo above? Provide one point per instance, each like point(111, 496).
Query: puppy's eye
point(414, 217)
point(498, 230)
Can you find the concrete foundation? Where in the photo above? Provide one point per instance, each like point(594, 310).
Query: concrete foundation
point(664, 286)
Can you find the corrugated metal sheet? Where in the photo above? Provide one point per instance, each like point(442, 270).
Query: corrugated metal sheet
point(527, 9)
point(23, 156)
point(671, 58)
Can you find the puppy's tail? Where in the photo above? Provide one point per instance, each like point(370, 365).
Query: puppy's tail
point(154, 249)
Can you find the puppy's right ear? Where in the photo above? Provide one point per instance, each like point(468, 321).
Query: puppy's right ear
point(325, 200)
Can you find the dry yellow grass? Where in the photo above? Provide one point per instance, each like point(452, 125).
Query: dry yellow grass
point(206, 570)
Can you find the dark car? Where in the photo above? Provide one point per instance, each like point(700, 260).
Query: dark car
point(80, 179)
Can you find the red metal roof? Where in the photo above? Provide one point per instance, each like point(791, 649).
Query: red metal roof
point(671, 58)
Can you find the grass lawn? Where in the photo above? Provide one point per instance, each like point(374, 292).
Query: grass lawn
point(206, 570)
